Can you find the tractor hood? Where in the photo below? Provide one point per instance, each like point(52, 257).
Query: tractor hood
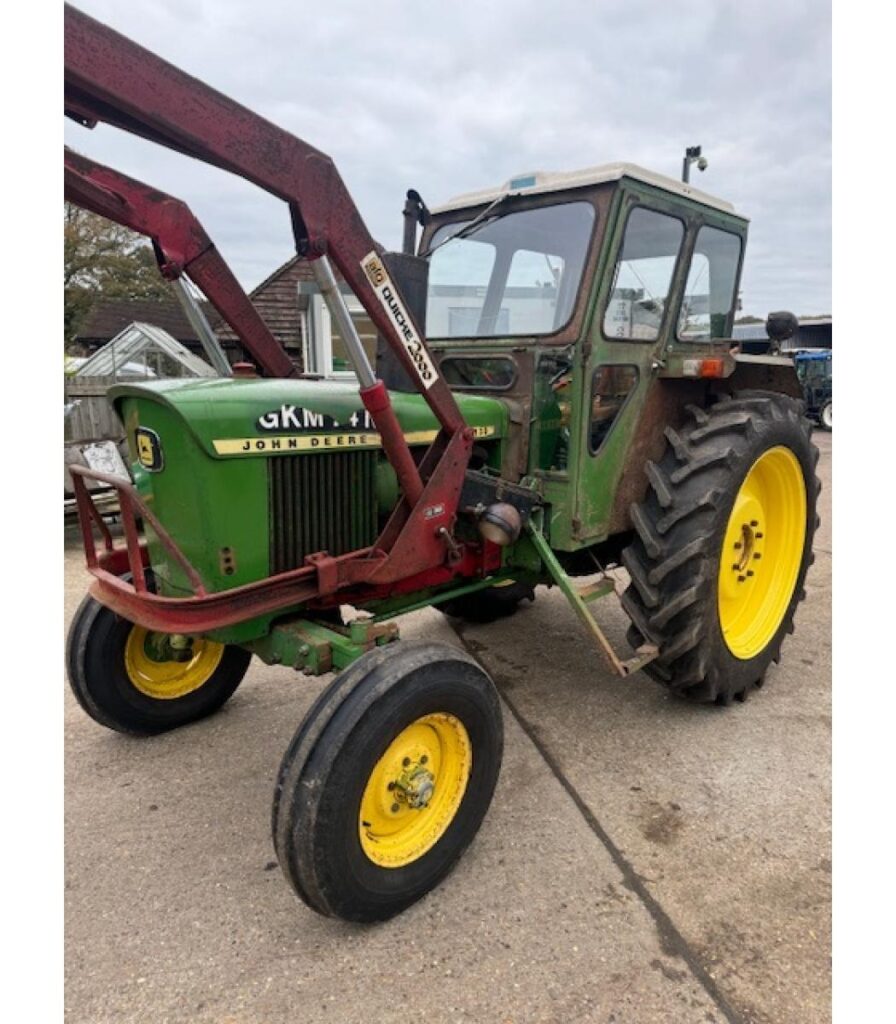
point(250, 417)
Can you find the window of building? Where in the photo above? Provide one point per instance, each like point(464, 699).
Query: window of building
point(323, 349)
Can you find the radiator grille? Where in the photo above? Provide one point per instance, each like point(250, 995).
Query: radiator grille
point(321, 503)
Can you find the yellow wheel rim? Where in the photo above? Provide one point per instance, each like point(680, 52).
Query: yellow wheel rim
point(166, 667)
point(762, 552)
point(414, 790)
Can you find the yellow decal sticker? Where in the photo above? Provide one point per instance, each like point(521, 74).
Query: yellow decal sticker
point(149, 449)
point(284, 444)
point(386, 292)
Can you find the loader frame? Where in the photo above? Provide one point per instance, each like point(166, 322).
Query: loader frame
point(110, 79)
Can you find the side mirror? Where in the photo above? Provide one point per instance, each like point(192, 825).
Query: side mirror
point(781, 326)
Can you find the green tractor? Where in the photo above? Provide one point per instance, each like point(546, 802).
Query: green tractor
point(575, 406)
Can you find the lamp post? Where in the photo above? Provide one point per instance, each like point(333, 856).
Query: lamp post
point(692, 155)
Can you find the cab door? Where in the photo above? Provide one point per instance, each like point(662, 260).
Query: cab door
point(638, 291)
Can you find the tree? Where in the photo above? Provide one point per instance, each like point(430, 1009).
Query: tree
point(104, 260)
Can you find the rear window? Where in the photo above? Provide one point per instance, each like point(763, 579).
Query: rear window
point(708, 303)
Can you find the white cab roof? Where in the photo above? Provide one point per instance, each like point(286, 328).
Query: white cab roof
point(536, 182)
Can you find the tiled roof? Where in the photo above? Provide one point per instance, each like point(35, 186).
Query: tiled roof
point(108, 317)
point(278, 302)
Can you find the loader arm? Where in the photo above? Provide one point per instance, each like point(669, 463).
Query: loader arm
point(184, 246)
point(109, 78)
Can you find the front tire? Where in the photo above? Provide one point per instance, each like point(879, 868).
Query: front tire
point(825, 417)
point(723, 543)
point(387, 780)
point(136, 682)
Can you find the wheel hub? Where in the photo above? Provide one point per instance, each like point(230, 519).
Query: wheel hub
point(414, 790)
point(747, 550)
point(762, 552)
point(416, 784)
point(167, 666)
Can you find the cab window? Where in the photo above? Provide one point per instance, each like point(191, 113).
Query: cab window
point(708, 301)
point(610, 387)
point(643, 276)
point(514, 274)
point(485, 373)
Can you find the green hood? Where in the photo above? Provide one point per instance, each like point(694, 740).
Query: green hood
point(224, 414)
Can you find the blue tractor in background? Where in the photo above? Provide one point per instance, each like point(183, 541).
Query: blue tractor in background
point(814, 371)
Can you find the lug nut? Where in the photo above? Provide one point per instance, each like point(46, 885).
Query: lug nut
point(737, 545)
point(395, 808)
point(406, 762)
point(750, 572)
point(757, 554)
point(759, 536)
point(754, 522)
point(391, 786)
point(736, 567)
point(740, 579)
point(424, 759)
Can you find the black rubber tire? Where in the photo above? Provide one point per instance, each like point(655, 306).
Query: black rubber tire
point(99, 680)
point(324, 771)
point(674, 560)
point(825, 419)
point(489, 604)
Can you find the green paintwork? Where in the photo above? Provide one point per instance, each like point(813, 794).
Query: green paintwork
point(210, 502)
point(314, 648)
point(222, 408)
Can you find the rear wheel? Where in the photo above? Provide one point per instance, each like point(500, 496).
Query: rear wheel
point(387, 780)
point(136, 681)
point(489, 604)
point(723, 543)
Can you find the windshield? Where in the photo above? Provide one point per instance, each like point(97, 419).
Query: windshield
point(516, 274)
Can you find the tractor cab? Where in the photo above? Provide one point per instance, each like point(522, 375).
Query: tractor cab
point(571, 297)
point(814, 371)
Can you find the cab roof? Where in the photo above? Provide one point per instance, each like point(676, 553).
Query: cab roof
point(537, 182)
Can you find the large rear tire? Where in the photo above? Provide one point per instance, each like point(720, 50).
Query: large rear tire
point(387, 780)
point(723, 543)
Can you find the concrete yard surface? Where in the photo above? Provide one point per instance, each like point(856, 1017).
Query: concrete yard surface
point(644, 859)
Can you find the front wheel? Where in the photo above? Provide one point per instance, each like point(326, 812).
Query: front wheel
point(825, 417)
point(135, 681)
point(723, 543)
point(387, 780)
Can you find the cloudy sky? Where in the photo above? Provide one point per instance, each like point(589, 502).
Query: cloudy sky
point(450, 97)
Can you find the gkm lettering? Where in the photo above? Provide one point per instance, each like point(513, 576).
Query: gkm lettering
point(291, 417)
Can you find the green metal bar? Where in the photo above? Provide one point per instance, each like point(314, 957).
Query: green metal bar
point(646, 653)
point(391, 607)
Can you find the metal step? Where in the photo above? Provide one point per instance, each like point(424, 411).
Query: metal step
point(580, 598)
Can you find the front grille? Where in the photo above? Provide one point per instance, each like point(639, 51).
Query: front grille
point(321, 503)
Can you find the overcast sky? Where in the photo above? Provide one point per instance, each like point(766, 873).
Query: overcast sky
point(450, 97)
